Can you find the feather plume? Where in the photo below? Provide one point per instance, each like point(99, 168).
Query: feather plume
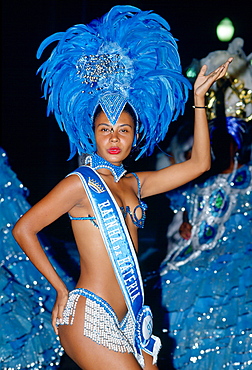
point(143, 66)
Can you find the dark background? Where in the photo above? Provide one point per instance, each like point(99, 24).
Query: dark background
point(36, 148)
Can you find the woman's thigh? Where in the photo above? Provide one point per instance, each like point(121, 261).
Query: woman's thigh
point(89, 355)
point(86, 353)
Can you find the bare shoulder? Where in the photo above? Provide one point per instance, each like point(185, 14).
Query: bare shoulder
point(71, 186)
point(72, 181)
point(67, 193)
point(62, 198)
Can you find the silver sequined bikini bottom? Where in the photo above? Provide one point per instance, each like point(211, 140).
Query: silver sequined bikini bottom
point(100, 322)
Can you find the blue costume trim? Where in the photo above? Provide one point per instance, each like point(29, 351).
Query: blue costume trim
point(81, 218)
point(138, 222)
point(27, 338)
point(90, 218)
point(206, 282)
point(97, 162)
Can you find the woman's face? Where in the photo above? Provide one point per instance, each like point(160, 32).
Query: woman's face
point(114, 142)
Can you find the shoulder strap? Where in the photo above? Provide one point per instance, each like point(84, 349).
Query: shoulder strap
point(138, 185)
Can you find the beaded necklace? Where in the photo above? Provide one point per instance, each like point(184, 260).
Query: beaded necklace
point(96, 162)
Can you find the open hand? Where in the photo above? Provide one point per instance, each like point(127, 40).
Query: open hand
point(204, 82)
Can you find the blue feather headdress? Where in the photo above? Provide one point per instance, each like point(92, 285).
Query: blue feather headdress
point(127, 56)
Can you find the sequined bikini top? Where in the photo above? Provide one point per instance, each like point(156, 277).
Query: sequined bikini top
point(142, 206)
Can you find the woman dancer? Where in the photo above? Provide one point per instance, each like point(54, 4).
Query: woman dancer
point(113, 85)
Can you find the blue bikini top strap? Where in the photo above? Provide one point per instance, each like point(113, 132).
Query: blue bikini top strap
point(138, 185)
point(81, 218)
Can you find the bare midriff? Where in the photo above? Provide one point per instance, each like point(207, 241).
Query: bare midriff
point(96, 271)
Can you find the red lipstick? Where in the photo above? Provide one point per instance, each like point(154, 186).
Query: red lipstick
point(114, 150)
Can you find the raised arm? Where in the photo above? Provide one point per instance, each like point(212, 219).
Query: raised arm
point(156, 182)
point(50, 208)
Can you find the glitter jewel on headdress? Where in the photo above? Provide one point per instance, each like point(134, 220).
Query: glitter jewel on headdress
point(127, 56)
point(97, 162)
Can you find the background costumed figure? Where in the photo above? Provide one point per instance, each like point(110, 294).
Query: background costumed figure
point(27, 339)
point(206, 278)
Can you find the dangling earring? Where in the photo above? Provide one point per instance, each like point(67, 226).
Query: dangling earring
point(136, 135)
